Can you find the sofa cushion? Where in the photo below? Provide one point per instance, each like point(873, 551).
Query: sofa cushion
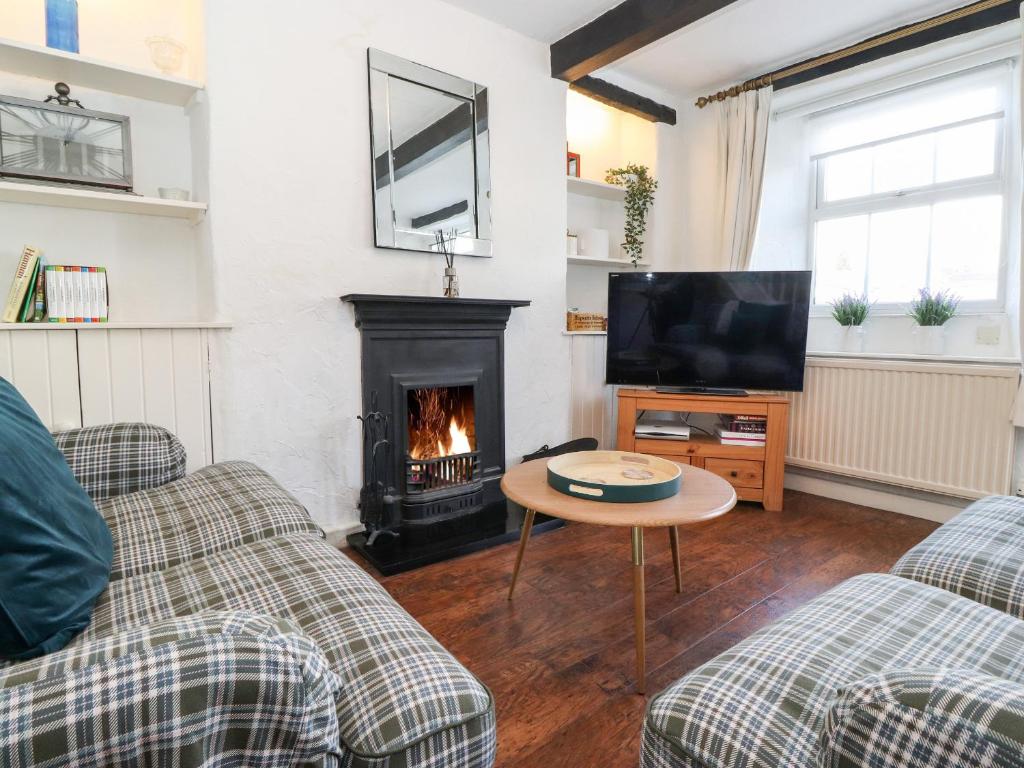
point(112, 459)
point(978, 554)
point(764, 701)
point(404, 699)
point(224, 688)
point(56, 551)
point(938, 718)
point(213, 509)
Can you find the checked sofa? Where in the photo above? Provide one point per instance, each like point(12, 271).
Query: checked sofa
point(919, 668)
point(231, 633)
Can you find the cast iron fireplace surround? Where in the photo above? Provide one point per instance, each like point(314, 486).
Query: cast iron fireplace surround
point(414, 344)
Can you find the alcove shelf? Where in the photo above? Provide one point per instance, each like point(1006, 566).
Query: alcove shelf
point(119, 325)
point(98, 200)
point(87, 72)
point(596, 189)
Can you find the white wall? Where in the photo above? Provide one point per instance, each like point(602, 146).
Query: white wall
point(290, 227)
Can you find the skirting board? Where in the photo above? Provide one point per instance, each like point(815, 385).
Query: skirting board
point(929, 506)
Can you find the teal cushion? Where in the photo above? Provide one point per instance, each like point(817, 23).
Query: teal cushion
point(55, 549)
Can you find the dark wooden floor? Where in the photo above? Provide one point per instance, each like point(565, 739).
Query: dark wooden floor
point(559, 657)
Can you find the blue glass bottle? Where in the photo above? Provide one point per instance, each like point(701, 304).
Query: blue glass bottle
point(62, 25)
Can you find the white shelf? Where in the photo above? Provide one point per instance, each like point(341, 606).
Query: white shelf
point(594, 189)
point(621, 263)
point(86, 72)
point(121, 325)
point(97, 200)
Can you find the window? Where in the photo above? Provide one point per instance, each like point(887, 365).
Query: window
point(911, 193)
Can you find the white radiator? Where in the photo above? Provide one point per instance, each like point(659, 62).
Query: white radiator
point(592, 401)
point(942, 427)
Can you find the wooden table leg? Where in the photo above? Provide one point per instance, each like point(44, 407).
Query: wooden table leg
point(639, 608)
point(673, 538)
point(527, 526)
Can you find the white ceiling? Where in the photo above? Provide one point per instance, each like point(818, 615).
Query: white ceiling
point(544, 20)
point(746, 39)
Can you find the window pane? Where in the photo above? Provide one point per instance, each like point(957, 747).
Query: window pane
point(847, 175)
point(898, 260)
point(967, 151)
point(840, 257)
point(967, 240)
point(905, 164)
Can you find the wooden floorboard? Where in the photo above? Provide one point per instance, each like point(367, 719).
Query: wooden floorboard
point(559, 657)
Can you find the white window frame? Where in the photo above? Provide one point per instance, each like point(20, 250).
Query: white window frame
point(997, 183)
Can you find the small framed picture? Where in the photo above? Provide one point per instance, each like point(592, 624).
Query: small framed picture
point(572, 164)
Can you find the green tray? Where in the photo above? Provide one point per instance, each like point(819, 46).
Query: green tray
point(614, 476)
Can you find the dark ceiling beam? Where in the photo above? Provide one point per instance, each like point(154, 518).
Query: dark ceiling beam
point(626, 28)
point(627, 101)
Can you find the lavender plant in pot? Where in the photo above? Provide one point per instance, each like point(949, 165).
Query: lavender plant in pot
point(931, 312)
point(850, 311)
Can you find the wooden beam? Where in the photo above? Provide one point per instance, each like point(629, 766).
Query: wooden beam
point(441, 214)
point(626, 28)
point(627, 101)
point(432, 142)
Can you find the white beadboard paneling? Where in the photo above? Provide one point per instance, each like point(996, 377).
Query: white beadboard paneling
point(44, 368)
point(941, 427)
point(591, 400)
point(156, 375)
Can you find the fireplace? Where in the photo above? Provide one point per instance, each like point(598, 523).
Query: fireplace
point(433, 428)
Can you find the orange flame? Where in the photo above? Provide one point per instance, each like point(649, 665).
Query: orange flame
point(440, 422)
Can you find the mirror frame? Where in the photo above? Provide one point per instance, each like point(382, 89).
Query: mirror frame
point(381, 68)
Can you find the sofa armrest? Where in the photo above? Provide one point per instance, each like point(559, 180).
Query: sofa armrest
point(925, 717)
point(212, 688)
point(115, 459)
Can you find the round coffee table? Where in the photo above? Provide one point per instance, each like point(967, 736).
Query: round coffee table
point(702, 496)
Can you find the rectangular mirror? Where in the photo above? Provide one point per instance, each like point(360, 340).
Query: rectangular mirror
point(430, 157)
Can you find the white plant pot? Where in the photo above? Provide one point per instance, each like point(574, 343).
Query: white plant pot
point(852, 338)
point(931, 339)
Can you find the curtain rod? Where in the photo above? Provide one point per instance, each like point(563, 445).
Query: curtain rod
point(853, 50)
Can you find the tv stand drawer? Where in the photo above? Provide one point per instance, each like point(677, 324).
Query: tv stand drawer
point(739, 472)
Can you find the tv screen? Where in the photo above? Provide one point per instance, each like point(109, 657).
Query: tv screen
point(708, 330)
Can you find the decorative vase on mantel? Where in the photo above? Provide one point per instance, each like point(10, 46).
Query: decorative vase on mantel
point(450, 284)
point(62, 25)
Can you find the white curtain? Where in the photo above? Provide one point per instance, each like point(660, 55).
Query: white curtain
point(1018, 410)
point(742, 139)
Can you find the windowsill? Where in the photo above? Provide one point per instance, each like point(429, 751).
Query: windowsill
point(915, 358)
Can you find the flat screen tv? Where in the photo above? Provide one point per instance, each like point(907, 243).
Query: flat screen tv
point(708, 331)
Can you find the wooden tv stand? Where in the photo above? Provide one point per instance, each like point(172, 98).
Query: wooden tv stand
point(756, 473)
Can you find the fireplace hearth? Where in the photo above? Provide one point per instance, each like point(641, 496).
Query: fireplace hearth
point(434, 429)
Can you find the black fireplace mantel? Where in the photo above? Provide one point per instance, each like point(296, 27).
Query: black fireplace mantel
point(377, 311)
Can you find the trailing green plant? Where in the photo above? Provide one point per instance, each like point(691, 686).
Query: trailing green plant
point(640, 188)
point(850, 309)
point(930, 309)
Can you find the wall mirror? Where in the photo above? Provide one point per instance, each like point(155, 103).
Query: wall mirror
point(430, 157)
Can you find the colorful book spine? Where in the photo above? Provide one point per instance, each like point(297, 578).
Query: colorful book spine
point(23, 275)
point(39, 299)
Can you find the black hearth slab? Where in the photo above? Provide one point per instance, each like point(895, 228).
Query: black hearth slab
point(390, 555)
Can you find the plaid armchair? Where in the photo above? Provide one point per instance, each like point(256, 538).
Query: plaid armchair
point(231, 633)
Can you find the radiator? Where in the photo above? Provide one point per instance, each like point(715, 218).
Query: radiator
point(941, 427)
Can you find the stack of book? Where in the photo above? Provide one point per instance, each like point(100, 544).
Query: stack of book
point(76, 294)
point(60, 294)
point(742, 430)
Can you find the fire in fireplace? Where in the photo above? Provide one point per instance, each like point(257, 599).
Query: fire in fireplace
point(442, 451)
